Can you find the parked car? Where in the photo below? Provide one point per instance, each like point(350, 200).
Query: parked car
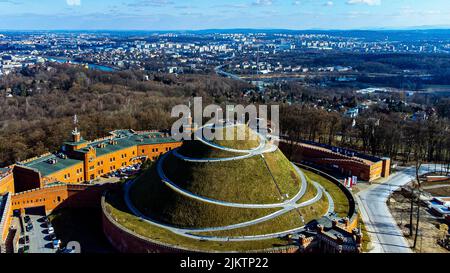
point(66, 250)
point(26, 240)
point(51, 230)
point(29, 227)
point(27, 219)
point(56, 244)
point(24, 249)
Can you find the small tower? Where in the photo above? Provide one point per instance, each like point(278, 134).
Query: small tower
point(76, 135)
point(188, 124)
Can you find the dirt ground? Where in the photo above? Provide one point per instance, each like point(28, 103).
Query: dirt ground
point(440, 192)
point(429, 231)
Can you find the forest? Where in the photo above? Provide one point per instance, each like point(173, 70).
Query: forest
point(38, 117)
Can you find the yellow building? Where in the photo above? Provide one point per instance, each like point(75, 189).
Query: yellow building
point(79, 160)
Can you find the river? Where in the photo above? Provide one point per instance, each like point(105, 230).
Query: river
point(91, 65)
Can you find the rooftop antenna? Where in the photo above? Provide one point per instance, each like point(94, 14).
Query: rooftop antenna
point(75, 122)
point(76, 136)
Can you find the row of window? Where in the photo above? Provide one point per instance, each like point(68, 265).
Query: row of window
point(58, 199)
point(79, 171)
point(155, 150)
point(112, 159)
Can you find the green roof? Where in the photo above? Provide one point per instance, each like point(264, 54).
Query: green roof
point(127, 140)
point(124, 138)
point(46, 168)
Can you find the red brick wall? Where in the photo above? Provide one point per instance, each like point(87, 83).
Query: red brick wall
point(347, 166)
point(50, 198)
point(126, 241)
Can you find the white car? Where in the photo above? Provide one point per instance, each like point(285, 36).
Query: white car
point(51, 230)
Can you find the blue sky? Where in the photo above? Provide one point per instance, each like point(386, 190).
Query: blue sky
point(204, 14)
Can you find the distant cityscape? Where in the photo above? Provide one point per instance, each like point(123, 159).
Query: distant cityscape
point(269, 60)
point(177, 52)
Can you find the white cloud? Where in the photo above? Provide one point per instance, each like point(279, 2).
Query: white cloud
point(367, 2)
point(73, 2)
point(263, 3)
point(300, 2)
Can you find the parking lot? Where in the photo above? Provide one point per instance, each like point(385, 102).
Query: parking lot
point(39, 239)
point(119, 175)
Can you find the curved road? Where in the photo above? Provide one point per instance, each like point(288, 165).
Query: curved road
point(385, 234)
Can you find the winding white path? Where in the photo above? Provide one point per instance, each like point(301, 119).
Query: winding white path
point(189, 194)
point(285, 207)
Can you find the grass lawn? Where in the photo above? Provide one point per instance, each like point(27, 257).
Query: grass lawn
point(366, 243)
point(117, 209)
point(82, 225)
point(248, 139)
point(341, 203)
point(161, 203)
point(197, 149)
point(241, 181)
point(270, 178)
point(290, 220)
point(185, 212)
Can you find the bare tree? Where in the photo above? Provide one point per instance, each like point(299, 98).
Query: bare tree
point(420, 153)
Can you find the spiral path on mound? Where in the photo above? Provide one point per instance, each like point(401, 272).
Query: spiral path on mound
point(285, 207)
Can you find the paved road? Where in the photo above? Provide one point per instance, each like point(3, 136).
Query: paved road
point(219, 71)
point(385, 234)
point(39, 241)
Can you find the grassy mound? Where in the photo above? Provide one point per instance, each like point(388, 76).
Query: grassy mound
point(255, 180)
point(161, 203)
point(116, 208)
point(262, 179)
point(243, 138)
